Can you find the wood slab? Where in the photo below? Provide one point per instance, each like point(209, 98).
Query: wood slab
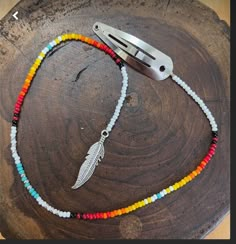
point(160, 136)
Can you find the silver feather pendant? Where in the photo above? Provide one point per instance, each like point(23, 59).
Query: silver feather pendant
point(94, 155)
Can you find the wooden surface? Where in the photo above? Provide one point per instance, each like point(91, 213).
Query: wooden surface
point(148, 137)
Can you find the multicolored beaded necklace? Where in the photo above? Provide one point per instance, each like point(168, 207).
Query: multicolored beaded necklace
point(125, 210)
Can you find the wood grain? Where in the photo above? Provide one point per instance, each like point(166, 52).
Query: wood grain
point(160, 136)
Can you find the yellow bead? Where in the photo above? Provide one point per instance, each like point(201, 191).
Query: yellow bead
point(177, 185)
point(133, 207)
point(78, 36)
point(149, 199)
point(136, 205)
point(130, 209)
point(168, 190)
point(42, 55)
point(183, 182)
point(186, 179)
point(195, 173)
point(119, 212)
point(65, 36)
point(143, 203)
point(73, 35)
point(140, 204)
point(37, 61)
point(57, 41)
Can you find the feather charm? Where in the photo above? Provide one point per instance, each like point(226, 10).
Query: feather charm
point(94, 155)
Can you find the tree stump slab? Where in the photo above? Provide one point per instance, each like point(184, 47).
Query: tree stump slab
point(160, 136)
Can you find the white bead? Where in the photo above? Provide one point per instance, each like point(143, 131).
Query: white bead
point(45, 50)
point(171, 188)
point(59, 38)
point(145, 201)
point(154, 198)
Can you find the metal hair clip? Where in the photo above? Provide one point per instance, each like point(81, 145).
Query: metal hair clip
point(137, 53)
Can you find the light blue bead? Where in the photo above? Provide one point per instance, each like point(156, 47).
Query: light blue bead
point(36, 196)
point(21, 172)
point(19, 165)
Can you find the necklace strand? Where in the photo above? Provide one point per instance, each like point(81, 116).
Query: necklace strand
point(109, 214)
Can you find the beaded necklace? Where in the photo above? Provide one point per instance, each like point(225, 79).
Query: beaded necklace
point(125, 210)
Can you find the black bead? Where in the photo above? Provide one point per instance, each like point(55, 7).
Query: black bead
point(120, 65)
point(14, 122)
point(215, 133)
point(213, 142)
point(73, 215)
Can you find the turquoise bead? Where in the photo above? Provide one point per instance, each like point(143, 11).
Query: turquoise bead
point(49, 46)
point(24, 178)
point(159, 196)
point(27, 184)
point(21, 172)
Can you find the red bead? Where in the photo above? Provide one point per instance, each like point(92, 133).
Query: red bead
point(212, 151)
point(201, 166)
point(94, 216)
point(118, 61)
point(15, 118)
point(210, 155)
point(207, 159)
point(108, 214)
point(215, 138)
point(24, 90)
point(113, 55)
point(84, 216)
point(95, 43)
point(214, 145)
point(78, 216)
point(97, 216)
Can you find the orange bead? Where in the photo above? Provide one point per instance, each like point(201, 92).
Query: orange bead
point(123, 211)
point(199, 168)
point(89, 40)
point(105, 215)
point(82, 38)
point(29, 77)
point(189, 177)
